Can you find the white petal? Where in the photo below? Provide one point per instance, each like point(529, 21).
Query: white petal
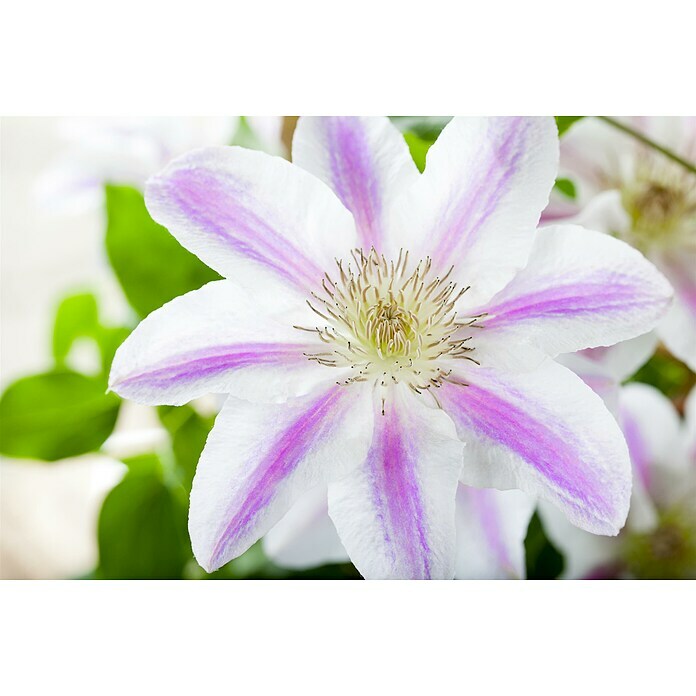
point(220, 339)
point(580, 289)
point(678, 329)
point(491, 528)
point(247, 215)
point(479, 200)
point(365, 160)
point(586, 555)
point(261, 458)
point(395, 512)
point(306, 536)
point(546, 433)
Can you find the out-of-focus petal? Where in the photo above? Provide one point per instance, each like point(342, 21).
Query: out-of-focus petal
point(491, 528)
point(306, 536)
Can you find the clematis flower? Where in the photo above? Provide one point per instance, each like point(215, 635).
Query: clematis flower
point(659, 539)
point(372, 320)
point(129, 150)
point(640, 196)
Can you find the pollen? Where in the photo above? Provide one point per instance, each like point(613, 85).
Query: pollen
point(391, 321)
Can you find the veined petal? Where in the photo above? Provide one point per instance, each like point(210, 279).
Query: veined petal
point(547, 433)
point(678, 329)
point(306, 536)
point(365, 160)
point(491, 528)
point(479, 200)
point(580, 289)
point(395, 512)
point(248, 214)
point(219, 339)
point(260, 458)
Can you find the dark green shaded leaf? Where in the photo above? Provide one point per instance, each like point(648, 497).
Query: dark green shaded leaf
point(151, 266)
point(544, 562)
point(565, 122)
point(56, 415)
point(142, 531)
point(566, 187)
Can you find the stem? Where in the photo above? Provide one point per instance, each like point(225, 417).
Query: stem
point(650, 143)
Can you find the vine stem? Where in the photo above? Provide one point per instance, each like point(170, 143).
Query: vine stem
point(650, 143)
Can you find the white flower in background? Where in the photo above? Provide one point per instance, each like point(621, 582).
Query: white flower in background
point(129, 150)
point(637, 194)
point(372, 320)
point(659, 540)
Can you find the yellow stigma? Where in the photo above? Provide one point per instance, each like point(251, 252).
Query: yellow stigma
point(390, 321)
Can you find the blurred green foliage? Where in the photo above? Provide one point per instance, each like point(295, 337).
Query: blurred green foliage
point(566, 187)
point(142, 530)
point(151, 266)
point(544, 561)
point(55, 415)
point(565, 122)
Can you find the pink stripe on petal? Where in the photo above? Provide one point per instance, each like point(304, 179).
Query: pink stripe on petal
point(561, 458)
point(223, 207)
point(486, 509)
point(284, 454)
point(463, 220)
point(587, 297)
point(196, 365)
point(354, 176)
point(391, 466)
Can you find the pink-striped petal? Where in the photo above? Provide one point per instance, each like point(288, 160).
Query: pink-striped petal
point(491, 528)
point(478, 202)
point(218, 339)
point(365, 160)
point(395, 512)
point(580, 289)
point(248, 214)
point(546, 433)
point(261, 458)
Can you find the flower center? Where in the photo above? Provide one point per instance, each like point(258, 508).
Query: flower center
point(661, 202)
point(390, 321)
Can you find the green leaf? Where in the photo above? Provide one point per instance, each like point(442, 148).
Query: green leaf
point(151, 266)
point(566, 187)
point(77, 316)
point(664, 372)
point(565, 122)
point(56, 415)
point(419, 148)
point(544, 562)
point(142, 531)
point(188, 431)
